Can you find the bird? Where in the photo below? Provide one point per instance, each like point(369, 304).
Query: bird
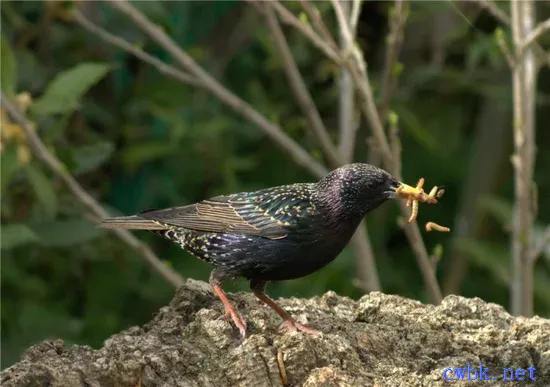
point(274, 234)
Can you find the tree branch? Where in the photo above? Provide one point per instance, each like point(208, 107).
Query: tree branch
point(300, 90)
point(494, 10)
point(357, 68)
point(354, 17)
point(355, 63)
point(397, 19)
point(366, 266)
point(489, 150)
point(289, 18)
point(348, 122)
point(277, 135)
point(524, 76)
point(395, 141)
point(541, 28)
point(162, 67)
point(367, 274)
point(88, 201)
point(490, 6)
point(412, 231)
point(314, 15)
point(343, 23)
point(361, 245)
point(501, 41)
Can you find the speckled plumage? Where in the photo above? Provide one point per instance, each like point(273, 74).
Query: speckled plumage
point(273, 234)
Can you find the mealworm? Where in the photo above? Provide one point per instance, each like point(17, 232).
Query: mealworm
point(282, 369)
point(434, 226)
point(414, 211)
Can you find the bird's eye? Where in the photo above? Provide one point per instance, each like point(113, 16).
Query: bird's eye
point(373, 182)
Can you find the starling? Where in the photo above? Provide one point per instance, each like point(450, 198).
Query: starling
point(274, 234)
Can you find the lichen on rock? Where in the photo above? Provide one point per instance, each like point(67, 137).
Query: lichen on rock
point(379, 340)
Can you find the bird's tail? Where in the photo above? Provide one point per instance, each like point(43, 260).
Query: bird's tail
point(133, 222)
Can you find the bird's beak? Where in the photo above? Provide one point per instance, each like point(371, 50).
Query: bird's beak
point(392, 191)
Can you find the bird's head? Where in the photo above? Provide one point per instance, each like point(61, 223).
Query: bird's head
point(355, 189)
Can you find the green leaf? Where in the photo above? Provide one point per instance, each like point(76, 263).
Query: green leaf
point(8, 68)
point(498, 208)
point(9, 166)
point(63, 93)
point(14, 235)
point(90, 157)
point(491, 256)
point(419, 131)
point(43, 188)
point(39, 321)
point(66, 232)
point(135, 155)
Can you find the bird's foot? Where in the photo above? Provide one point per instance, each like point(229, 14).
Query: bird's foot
point(292, 325)
point(238, 320)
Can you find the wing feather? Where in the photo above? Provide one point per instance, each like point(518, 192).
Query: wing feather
point(256, 213)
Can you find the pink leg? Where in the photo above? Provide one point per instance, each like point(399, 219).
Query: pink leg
point(288, 322)
point(230, 311)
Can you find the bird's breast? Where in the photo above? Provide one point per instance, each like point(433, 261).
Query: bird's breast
point(303, 252)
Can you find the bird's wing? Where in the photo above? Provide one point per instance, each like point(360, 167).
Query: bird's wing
point(266, 213)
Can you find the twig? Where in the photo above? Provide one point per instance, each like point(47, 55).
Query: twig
point(524, 94)
point(354, 17)
point(162, 67)
point(277, 135)
point(494, 10)
point(289, 18)
point(412, 231)
point(395, 141)
point(501, 41)
point(255, 117)
point(358, 69)
point(367, 275)
point(343, 23)
point(541, 28)
point(436, 256)
point(348, 124)
point(368, 107)
point(543, 242)
point(88, 201)
point(366, 265)
point(300, 90)
point(490, 6)
point(313, 14)
point(488, 150)
point(397, 19)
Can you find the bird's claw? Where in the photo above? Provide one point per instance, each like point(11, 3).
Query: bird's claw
point(238, 320)
point(291, 325)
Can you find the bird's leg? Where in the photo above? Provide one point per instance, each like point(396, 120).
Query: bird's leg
point(230, 311)
point(258, 287)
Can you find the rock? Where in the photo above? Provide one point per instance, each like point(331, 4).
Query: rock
point(380, 340)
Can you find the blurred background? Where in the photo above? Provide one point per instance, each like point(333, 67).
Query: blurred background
point(136, 139)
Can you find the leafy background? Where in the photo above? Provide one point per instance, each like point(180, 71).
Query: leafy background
point(138, 140)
